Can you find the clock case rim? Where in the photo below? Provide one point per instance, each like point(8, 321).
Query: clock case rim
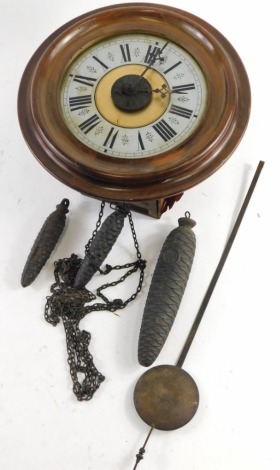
point(148, 178)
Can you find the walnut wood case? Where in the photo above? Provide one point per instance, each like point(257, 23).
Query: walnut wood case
point(151, 182)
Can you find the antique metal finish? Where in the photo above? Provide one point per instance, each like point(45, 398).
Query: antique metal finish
point(100, 245)
point(219, 267)
point(141, 179)
point(45, 243)
point(70, 304)
point(131, 93)
point(166, 397)
point(151, 399)
point(166, 291)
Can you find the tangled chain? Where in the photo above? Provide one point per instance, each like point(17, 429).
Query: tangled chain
point(71, 305)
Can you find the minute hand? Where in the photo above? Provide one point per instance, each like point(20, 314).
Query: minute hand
point(154, 58)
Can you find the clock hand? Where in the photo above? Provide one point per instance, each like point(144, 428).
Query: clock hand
point(164, 91)
point(133, 92)
point(154, 57)
point(138, 90)
point(172, 383)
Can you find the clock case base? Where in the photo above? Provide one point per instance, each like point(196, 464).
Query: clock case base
point(154, 208)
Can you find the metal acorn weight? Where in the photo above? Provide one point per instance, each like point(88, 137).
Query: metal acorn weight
point(45, 243)
point(99, 246)
point(166, 397)
point(167, 287)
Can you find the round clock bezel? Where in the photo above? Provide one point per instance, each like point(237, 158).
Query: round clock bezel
point(142, 179)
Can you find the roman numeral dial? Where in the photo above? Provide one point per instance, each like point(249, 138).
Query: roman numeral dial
point(125, 51)
point(115, 109)
point(90, 123)
point(88, 81)
point(181, 89)
point(180, 111)
point(79, 102)
point(164, 130)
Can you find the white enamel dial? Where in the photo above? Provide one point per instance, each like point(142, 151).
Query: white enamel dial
point(104, 91)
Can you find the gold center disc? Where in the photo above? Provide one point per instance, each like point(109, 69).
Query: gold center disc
point(132, 119)
point(166, 397)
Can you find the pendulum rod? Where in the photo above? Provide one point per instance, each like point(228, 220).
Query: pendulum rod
point(141, 452)
point(219, 268)
point(176, 369)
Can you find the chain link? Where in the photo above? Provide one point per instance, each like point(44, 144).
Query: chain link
point(98, 224)
point(71, 305)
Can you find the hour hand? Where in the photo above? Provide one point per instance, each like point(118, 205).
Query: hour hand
point(164, 91)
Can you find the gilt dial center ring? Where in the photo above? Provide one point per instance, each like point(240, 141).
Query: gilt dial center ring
point(132, 102)
point(131, 93)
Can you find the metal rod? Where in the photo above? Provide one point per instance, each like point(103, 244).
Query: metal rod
point(141, 452)
point(219, 268)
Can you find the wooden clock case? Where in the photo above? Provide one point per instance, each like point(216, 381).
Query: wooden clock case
point(150, 184)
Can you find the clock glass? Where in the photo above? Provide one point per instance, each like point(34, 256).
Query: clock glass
point(133, 96)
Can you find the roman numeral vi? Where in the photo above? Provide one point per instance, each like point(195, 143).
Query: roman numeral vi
point(110, 139)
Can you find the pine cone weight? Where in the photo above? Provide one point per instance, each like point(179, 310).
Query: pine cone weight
point(100, 247)
point(45, 243)
point(167, 288)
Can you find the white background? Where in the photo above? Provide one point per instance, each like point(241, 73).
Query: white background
point(235, 356)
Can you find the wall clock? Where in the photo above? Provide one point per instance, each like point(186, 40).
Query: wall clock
point(134, 102)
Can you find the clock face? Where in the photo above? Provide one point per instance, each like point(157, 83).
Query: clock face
point(134, 102)
point(133, 96)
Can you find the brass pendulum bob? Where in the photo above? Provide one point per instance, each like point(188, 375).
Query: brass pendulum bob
point(166, 397)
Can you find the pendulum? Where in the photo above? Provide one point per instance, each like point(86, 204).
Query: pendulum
point(166, 397)
point(45, 243)
point(167, 288)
